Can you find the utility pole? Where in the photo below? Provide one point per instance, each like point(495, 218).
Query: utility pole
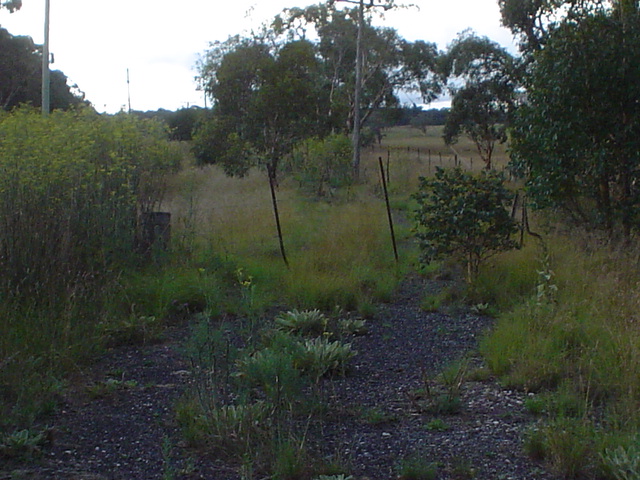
point(46, 75)
point(128, 91)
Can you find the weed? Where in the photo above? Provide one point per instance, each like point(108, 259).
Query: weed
point(323, 357)
point(109, 387)
point(375, 416)
point(416, 467)
point(23, 444)
point(623, 462)
point(274, 373)
point(567, 444)
point(535, 405)
point(437, 425)
point(444, 397)
point(168, 472)
point(306, 322)
point(290, 462)
point(350, 326)
point(461, 469)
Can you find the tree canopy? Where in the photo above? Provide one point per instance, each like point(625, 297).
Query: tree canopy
point(483, 89)
point(21, 75)
point(577, 137)
point(278, 80)
point(11, 5)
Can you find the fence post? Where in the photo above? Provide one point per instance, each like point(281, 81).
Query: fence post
point(386, 198)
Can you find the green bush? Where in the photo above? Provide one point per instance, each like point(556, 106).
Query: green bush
point(72, 185)
point(465, 216)
point(323, 164)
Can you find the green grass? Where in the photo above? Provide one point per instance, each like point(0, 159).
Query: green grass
point(579, 346)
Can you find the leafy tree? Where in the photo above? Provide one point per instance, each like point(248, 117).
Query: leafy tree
point(21, 75)
point(480, 107)
point(577, 137)
point(11, 5)
point(465, 216)
point(265, 103)
point(390, 62)
point(533, 20)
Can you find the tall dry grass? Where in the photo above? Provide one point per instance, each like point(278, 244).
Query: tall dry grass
point(339, 250)
point(574, 342)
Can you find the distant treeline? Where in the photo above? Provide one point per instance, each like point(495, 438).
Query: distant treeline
point(182, 122)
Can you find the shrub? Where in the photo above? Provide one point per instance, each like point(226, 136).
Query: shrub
point(72, 185)
point(321, 164)
point(465, 216)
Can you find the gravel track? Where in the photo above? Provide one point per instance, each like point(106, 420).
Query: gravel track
point(376, 418)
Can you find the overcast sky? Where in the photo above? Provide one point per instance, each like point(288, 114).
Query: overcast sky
point(159, 41)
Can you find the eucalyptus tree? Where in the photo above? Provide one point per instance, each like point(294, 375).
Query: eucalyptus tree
point(265, 101)
point(388, 61)
point(577, 137)
point(483, 89)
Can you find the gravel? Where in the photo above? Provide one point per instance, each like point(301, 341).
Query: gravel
point(378, 414)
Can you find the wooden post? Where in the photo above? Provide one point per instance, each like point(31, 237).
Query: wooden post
point(386, 198)
point(155, 231)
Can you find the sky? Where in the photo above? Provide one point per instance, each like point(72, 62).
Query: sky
point(158, 42)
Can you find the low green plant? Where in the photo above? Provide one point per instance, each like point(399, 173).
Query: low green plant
point(623, 462)
point(375, 416)
point(437, 425)
point(290, 460)
point(416, 467)
point(462, 469)
point(273, 372)
point(109, 387)
point(232, 429)
point(443, 396)
point(352, 326)
point(305, 322)
point(324, 357)
point(568, 445)
point(535, 404)
point(22, 444)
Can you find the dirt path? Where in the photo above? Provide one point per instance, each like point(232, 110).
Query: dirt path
point(123, 426)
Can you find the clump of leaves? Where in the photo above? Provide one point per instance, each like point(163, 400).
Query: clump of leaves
point(230, 428)
point(323, 357)
point(312, 322)
point(22, 444)
point(623, 462)
point(353, 326)
point(463, 215)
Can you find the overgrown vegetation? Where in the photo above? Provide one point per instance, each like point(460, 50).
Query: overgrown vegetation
point(71, 191)
point(256, 396)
